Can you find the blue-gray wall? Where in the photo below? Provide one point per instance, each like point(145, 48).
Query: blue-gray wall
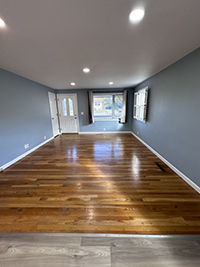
point(24, 115)
point(99, 126)
point(173, 126)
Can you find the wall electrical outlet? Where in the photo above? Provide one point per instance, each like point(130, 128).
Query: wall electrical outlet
point(45, 137)
point(104, 129)
point(82, 113)
point(137, 133)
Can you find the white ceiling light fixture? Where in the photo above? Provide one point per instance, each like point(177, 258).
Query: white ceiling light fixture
point(136, 15)
point(2, 23)
point(73, 84)
point(86, 70)
point(110, 83)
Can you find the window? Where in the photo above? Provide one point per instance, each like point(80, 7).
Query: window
point(71, 108)
point(107, 106)
point(64, 106)
point(140, 104)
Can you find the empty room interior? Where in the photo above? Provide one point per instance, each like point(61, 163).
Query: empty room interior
point(99, 133)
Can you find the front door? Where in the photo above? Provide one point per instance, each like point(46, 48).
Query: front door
point(68, 113)
point(54, 115)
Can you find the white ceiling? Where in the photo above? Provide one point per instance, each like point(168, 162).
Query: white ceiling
point(51, 41)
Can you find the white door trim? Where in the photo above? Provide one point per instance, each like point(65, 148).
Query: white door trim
point(52, 123)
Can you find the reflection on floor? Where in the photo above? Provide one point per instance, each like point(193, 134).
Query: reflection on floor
point(105, 183)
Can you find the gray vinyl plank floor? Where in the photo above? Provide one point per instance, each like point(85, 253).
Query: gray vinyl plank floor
point(19, 250)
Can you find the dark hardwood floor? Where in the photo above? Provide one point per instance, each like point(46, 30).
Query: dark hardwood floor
point(104, 183)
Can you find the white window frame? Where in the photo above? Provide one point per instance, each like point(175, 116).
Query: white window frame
point(140, 105)
point(113, 107)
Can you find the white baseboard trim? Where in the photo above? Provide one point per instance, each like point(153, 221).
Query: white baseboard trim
point(24, 155)
point(123, 132)
point(183, 176)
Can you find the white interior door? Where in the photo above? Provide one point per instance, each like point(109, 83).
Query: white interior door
point(68, 113)
point(54, 115)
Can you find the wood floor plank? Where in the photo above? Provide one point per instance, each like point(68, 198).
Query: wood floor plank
point(25, 255)
point(143, 256)
point(143, 242)
point(105, 183)
point(40, 240)
point(97, 250)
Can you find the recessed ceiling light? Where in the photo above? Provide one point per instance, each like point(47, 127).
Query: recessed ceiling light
point(73, 84)
point(86, 70)
point(110, 82)
point(2, 23)
point(136, 15)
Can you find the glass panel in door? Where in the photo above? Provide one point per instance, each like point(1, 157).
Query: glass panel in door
point(64, 107)
point(71, 107)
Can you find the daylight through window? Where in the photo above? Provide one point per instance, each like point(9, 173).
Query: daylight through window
point(140, 104)
point(107, 106)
